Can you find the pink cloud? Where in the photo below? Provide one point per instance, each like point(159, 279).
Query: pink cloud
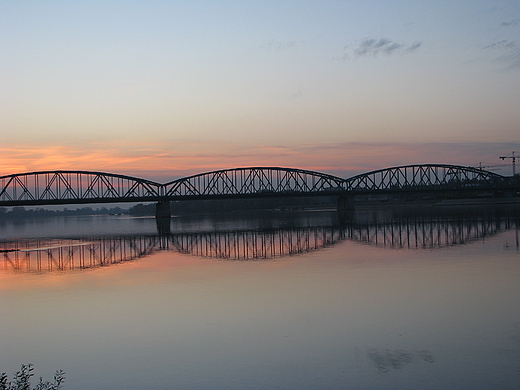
point(167, 161)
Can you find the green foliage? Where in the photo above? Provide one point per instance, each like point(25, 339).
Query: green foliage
point(21, 380)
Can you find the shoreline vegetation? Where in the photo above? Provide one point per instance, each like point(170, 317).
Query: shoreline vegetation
point(22, 380)
point(203, 207)
point(177, 208)
point(21, 212)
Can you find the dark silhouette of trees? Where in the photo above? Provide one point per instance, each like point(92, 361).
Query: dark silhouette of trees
point(22, 380)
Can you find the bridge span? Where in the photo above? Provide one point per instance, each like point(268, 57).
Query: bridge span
point(85, 187)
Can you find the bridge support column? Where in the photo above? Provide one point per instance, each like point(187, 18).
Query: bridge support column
point(345, 203)
point(345, 208)
point(163, 216)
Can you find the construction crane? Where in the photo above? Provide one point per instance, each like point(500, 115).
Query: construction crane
point(490, 167)
point(513, 157)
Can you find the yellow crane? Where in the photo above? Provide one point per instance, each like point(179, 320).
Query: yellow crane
point(513, 157)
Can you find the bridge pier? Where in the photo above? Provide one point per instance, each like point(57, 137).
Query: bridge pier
point(345, 203)
point(163, 216)
point(345, 208)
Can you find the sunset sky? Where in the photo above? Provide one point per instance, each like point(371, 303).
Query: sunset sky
point(163, 89)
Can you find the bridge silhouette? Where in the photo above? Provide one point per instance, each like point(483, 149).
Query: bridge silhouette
point(86, 187)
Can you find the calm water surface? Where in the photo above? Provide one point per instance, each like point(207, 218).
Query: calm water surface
point(375, 300)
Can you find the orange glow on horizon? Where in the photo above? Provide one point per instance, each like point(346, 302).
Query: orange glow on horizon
point(164, 162)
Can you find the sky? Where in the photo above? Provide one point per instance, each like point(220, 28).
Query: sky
point(164, 89)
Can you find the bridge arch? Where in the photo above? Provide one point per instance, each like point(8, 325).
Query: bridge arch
point(257, 181)
point(82, 187)
point(68, 187)
point(425, 177)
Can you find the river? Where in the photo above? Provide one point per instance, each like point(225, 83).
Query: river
point(404, 298)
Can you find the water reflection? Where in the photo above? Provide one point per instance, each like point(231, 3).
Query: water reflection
point(70, 254)
point(380, 299)
point(252, 245)
point(38, 255)
point(431, 227)
point(290, 237)
point(420, 233)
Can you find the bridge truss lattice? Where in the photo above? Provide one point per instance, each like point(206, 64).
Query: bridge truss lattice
point(255, 181)
point(69, 187)
point(84, 187)
point(424, 177)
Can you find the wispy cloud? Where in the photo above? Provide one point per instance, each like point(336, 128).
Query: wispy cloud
point(370, 47)
point(510, 23)
point(503, 44)
point(510, 52)
point(512, 58)
point(413, 47)
point(274, 45)
point(373, 47)
point(167, 161)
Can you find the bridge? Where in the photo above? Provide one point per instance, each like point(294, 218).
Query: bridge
point(86, 187)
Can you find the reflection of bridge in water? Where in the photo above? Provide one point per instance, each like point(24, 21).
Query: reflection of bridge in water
point(69, 254)
point(249, 245)
point(420, 233)
point(43, 255)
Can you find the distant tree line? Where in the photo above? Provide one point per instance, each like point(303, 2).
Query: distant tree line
point(22, 212)
point(229, 205)
point(179, 208)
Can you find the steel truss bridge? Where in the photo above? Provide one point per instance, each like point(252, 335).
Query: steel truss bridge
point(41, 255)
point(85, 187)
